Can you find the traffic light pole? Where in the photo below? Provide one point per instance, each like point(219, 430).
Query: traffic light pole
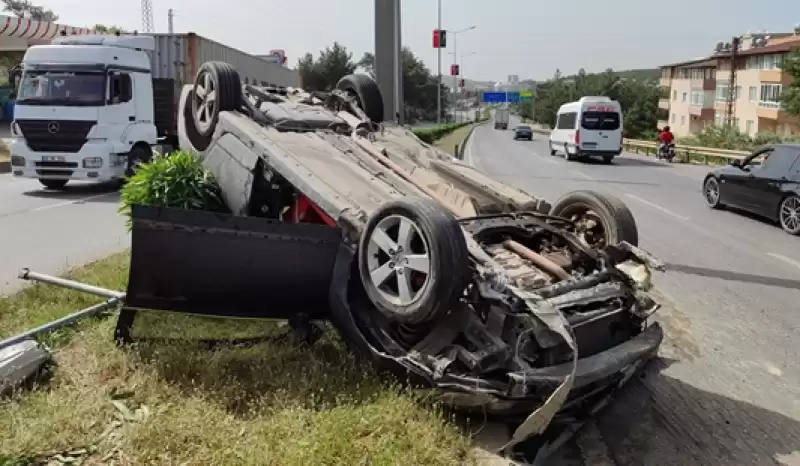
point(439, 54)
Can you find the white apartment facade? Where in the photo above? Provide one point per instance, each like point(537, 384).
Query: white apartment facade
point(698, 89)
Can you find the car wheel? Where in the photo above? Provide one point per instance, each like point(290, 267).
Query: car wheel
point(789, 215)
point(138, 155)
point(413, 260)
point(552, 151)
point(217, 88)
point(54, 184)
point(608, 158)
point(567, 155)
point(600, 219)
point(366, 92)
point(711, 193)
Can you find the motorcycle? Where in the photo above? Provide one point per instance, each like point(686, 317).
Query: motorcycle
point(666, 152)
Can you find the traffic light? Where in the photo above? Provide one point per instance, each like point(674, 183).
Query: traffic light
point(454, 70)
point(439, 38)
point(461, 83)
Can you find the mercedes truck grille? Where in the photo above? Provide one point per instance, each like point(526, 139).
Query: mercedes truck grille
point(55, 135)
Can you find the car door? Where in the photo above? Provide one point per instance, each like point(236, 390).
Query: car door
point(766, 185)
point(733, 187)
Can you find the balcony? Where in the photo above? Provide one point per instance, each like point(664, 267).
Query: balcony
point(663, 104)
point(662, 123)
point(774, 76)
point(665, 82)
point(769, 110)
point(702, 113)
point(704, 84)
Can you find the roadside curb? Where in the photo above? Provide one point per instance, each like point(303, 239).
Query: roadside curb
point(463, 145)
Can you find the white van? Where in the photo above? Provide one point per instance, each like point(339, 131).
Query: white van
point(589, 127)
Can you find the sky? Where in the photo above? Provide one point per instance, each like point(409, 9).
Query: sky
point(529, 38)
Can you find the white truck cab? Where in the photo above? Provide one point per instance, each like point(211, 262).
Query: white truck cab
point(592, 126)
point(84, 109)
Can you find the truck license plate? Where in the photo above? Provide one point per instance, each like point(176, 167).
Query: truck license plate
point(53, 158)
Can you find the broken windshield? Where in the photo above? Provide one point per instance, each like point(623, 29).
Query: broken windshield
point(64, 88)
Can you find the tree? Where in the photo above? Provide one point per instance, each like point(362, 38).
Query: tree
point(419, 85)
point(25, 9)
point(103, 29)
point(790, 97)
point(323, 73)
point(638, 98)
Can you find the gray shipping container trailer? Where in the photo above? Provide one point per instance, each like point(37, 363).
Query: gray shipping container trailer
point(177, 58)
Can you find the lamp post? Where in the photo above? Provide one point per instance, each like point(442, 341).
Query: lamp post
point(460, 63)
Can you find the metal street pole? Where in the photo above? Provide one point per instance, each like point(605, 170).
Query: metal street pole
point(388, 71)
point(439, 87)
point(400, 110)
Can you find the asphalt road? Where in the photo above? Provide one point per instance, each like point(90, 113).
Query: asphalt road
point(50, 231)
point(726, 389)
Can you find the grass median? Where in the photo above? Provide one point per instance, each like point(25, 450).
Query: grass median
point(448, 143)
point(272, 403)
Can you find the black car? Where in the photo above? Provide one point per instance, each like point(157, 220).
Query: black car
point(523, 132)
point(766, 183)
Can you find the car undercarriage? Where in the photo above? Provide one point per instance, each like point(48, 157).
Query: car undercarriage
point(493, 298)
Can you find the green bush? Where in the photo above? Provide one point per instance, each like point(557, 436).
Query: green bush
point(730, 138)
point(431, 135)
point(176, 180)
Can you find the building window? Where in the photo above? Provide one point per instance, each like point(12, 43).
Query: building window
point(672, 118)
point(683, 120)
point(752, 92)
point(697, 97)
point(770, 96)
point(765, 62)
point(674, 95)
point(738, 93)
point(683, 97)
point(722, 90)
point(749, 127)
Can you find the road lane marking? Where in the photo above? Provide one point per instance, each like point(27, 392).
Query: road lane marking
point(68, 203)
point(581, 174)
point(784, 259)
point(657, 207)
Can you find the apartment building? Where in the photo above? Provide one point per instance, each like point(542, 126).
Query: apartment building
point(698, 90)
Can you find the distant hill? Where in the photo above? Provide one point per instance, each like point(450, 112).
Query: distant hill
point(645, 74)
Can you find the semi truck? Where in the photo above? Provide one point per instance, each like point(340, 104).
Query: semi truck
point(93, 107)
point(501, 116)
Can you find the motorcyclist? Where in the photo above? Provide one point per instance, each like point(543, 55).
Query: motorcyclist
point(665, 138)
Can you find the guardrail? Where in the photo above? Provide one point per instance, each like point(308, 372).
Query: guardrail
point(705, 155)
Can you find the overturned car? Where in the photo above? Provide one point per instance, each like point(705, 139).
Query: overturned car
point(493, 297)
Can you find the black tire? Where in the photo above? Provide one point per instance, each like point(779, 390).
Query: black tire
point(793, 202)
point(448, 258)
point(367, 92)
point(54, 184)
point(225, 81)
point(139, 154)
point(552, 151)
point(567, 155)
point(617, 220)
point(712, 184)
point(199, 142)
point(608, 158)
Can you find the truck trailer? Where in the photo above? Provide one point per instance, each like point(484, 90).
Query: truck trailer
point(93, 107)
